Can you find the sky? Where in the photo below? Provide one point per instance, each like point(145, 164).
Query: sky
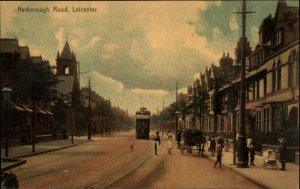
point(135, 52)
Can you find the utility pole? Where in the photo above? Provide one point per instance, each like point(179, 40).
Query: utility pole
point(72, 125)
point(89, 126)
point(163, 117)
point(176, 127)
point(158, 119)
point(242, 153)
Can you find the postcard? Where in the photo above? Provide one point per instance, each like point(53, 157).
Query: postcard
point(149, 94)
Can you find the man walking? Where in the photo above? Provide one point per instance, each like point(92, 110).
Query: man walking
point(282, 153)
point(219, 154)
point(252, 154)
point(212, 147)
point(156, 142)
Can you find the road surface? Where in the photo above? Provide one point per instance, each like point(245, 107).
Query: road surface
point(108, 162)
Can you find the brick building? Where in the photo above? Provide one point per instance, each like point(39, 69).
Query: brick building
point(272, 81)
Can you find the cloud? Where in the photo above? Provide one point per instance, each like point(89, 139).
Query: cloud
point(111, 46)
point(254, 34)
point(168, 41)
point(60, 36)
point(183, 90)
point(92, 42)
point(233, 22)
point(156, 92)
point(35, 52)
point(7, 16)
point(74, 43)
point(199, 43)
point(104, 81)
point(217, 3)
point(217, 34)
point(197, 75)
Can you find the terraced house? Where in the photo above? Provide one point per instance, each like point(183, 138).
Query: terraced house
point(272, 83)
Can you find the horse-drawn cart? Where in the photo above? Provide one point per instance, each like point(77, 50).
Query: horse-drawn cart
point(9, 180)
point(193, 139)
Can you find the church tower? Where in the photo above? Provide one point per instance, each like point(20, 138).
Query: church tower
point(66, 62)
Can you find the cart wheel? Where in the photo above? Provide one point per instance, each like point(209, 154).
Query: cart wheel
point(11, 181)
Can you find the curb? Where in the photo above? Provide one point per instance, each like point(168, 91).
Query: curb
point(243, 175)
point(51, 150)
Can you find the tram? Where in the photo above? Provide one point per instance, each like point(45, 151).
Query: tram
point(142, 123)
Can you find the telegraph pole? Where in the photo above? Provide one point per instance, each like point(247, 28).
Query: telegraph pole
point(242, 153)
point(89, 126)
point(176, 127)
point(163, 126)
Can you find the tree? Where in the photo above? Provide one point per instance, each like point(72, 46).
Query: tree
point(34, 82)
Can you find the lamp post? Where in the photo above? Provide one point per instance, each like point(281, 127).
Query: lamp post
point(6, 92)
point(177, 113)
point(71, 119)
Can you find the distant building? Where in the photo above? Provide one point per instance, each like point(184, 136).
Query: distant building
point(67, 72)
point(69, 86)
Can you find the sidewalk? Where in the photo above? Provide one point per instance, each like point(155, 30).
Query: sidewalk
point(26, 150)
point(266, 177)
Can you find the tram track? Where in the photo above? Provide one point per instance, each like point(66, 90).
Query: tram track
point(115, 175)
point(100, 170)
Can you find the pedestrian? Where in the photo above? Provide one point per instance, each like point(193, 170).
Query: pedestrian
point(170, 143)
point(219, 154)
point(252, 154)
point(178, 137)
point(282, 153)
point(213, 147)
point(247, 152)
point(156, 142)
point(226, 145)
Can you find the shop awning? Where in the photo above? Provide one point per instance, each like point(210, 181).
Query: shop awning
point(50, 113)
point(26, 108)
point(17, 108)
point(40, 111)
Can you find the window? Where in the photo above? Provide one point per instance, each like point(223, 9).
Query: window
point(257, 89)
point(203, 123)
point(211, 123)
point(296, 66)
point(260, 57)
point(278, 38)
point(291, 68)
point(258, 121)
point(290, 74)
point(222, 123)
point(267, 120)
point(274, 78)
point(261, 87)
point(66, 71)
point(237, 121)
point(265, 85)
point(254, 89)
point(278, 76)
